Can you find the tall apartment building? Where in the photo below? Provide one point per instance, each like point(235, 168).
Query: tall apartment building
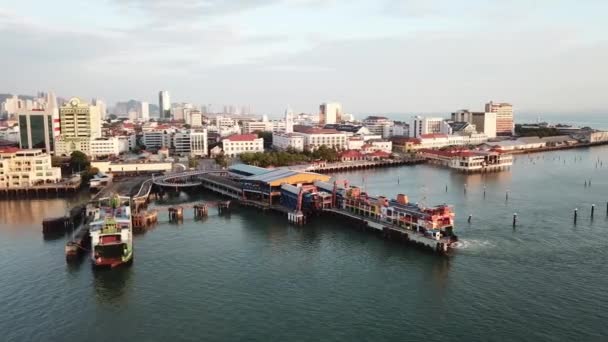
point(504, 117)
point(164, 105)
point(330, 113)
point(25, 168)
point(421, 125)
point(288, 120)
point(484, 122)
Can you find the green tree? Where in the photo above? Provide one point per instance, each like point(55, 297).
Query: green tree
point(267, 136)
point(79, 161)
point(193, 162)
point(113, 117)
point(221, 160)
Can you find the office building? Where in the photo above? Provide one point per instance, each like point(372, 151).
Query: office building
point(79, 119)
point(36, 130)
point(164, 105)
point(330, 113)
point(504, 117)
point(190, 143)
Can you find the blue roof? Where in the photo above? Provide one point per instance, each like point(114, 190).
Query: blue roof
point(273, 175)
point(248, 169)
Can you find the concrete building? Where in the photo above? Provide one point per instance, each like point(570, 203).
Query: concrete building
point(39, 127)
point(422, 125)
point(288, 120)
point(316, 137)
point(144, 111)
point(190, 143)
point(25, 168)
point(93, 147)
point(157, 138)
point(79, 119)
point(239, 143)
point(504, 117)
point(330, 113)
point(195, 118)
point(36, 130)
point(283, 141)
point(164, 105)
point(103, 108)
point(484, 122)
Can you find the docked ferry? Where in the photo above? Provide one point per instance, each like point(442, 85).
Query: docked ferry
point(111, 232)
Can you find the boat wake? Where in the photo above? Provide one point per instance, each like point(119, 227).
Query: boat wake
point(472, 244)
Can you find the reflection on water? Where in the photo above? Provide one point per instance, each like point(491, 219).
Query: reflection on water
point(112, 286)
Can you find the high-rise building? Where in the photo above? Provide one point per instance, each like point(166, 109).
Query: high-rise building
point(196, 118)
point(330, 113)
point(164, 105)
point(80, 119)
point(39, 127)
point(103, 109)
point(288, 120)
point(36, 129)
point(504, 117)
point(144, 111)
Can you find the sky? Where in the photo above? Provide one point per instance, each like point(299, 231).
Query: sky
point(373, 56)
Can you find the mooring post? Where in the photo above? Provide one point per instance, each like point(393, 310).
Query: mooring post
point(592, 210)
point(484, 191)
point(507, 196)
point(465, 188)
point(470, 217)
point(514, 219)
point(575, 215)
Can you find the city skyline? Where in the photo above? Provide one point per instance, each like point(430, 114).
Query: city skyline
point(372, 56)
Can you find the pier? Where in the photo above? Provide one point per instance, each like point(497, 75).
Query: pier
point(67, 187)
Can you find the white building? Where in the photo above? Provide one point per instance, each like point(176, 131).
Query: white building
point(504, 117)
point(401, 130)
point(93, 147)
point(256, 126)
point(144, 111)
point(288, 120)
point(316, 137)
point(379, 125)
point(330, 113)
point(484, 122)
point(283, 141)
point(239, 143)
point(422, 125)
point(442, 140)
point(195, 118)
point(80, 119)
point(25, 168)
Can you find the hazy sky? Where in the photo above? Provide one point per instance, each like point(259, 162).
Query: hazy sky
point(374, 56)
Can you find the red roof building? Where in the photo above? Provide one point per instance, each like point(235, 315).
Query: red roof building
point(242, 137)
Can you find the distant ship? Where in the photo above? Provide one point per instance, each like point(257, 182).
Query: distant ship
point(111, 231)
